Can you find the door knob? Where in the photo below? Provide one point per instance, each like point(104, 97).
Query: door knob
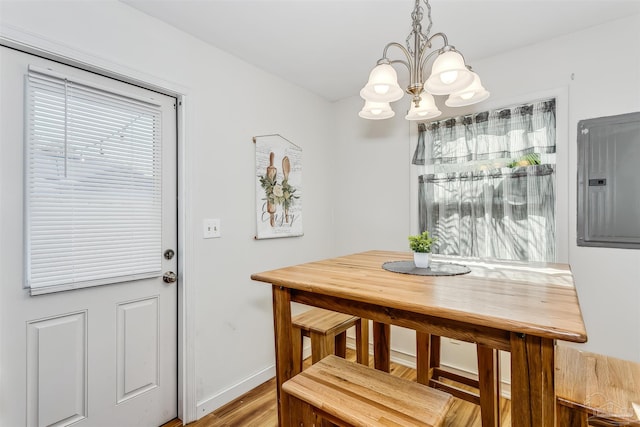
point(169, 277)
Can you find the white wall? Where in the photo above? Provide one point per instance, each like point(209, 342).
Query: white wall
point(599, 68)
point(356, 173)
point(370, 161)
point(228, 102)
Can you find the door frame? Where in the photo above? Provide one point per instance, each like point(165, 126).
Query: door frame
point(15, 38)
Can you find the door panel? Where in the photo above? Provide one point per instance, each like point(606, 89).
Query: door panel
point(57, 369)
point(137, 347)
point(99, 356)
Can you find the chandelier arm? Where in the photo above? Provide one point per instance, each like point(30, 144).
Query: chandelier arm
point(400, 61)
point(424, 62)
point(424, 59)
point(445, 41)
point(404, 50)
point(410, 63)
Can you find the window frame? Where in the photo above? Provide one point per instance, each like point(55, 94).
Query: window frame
point(562, 205)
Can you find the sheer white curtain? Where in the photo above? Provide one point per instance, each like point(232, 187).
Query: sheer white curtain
point(488, 189)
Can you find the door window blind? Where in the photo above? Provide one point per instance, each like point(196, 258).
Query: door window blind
point(92, 186)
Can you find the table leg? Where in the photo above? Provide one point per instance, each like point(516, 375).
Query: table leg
point(382, 346)
point(532, 381)
point(285, 366)
point(489, 385)
point(423, 353)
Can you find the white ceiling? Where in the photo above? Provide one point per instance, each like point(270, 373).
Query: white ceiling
point(329, 46)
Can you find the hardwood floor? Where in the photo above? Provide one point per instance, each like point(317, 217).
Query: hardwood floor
point(257, 408)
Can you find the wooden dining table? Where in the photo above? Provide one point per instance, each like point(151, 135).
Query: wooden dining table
point(519, 307)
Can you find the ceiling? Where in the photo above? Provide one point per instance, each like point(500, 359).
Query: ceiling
point(329, 46)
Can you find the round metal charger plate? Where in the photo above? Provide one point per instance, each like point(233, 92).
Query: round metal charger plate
point(435, 268)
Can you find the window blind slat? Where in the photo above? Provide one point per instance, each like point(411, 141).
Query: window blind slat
point(93, 184)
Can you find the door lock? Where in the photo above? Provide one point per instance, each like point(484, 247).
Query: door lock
point(169, 277)
point(169, 253)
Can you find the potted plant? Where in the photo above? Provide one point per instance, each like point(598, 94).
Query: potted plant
point(421, 246)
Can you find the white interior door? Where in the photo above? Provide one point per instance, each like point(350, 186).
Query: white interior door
point(97, 356)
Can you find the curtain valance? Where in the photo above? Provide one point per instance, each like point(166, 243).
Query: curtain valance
point(508, 133)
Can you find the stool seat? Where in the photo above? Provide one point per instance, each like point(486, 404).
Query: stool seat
point(327, 331)
point(596, 388)
point(348, 394)
point(324, 321)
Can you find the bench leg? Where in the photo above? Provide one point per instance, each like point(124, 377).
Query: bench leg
point(302, 414)
point(362, 342)
point(428, 359)
point(322, 345)
point(568, 417)
point(297, 349)
point(341, 345)
point(434, 351)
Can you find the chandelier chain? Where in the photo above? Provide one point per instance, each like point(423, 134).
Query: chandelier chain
point(426, 35)
point(416, 33)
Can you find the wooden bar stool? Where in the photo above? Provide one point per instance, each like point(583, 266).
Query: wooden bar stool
point(338, 392)
point(429, 372)
point(328, 333)
point(596, 390)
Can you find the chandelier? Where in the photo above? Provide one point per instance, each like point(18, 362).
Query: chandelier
point(449, 76)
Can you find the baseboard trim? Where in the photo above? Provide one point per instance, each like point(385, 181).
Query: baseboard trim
point(206, 406)
point(220, 399)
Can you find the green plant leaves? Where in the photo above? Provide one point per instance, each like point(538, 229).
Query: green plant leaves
point(422, 242)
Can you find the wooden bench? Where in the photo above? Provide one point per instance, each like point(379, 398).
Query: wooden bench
point(328, 333)
point(337, 391)
point(596, 389)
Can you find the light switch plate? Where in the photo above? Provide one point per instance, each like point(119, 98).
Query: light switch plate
point(211, 228)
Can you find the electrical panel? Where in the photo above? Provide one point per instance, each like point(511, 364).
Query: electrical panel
point(609, 181)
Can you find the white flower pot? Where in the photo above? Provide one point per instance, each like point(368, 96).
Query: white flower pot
point(421, 259)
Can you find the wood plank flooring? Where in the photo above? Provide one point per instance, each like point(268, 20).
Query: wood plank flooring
point(257, 408)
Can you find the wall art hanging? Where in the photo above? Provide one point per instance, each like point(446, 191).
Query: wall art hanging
point(278, 187)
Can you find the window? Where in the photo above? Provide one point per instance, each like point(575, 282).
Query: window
point(488, 187)
point(92, 185)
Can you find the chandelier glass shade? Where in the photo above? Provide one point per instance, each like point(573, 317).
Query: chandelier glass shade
point(425, 110)
point(449, 76)
point(376, 110)
point(382, 85)
point(472, 94)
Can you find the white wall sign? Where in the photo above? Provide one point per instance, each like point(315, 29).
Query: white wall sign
point(278, 187)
